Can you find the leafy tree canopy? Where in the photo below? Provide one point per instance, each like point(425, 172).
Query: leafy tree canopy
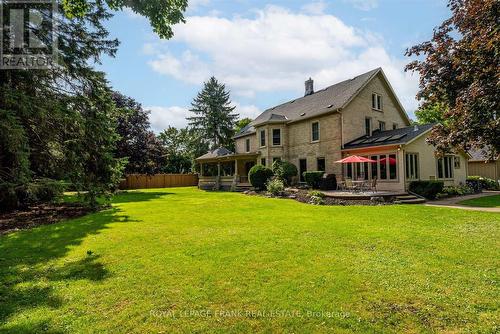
point(459, 71)
point(162, 14)
point(431, 114)
point(242, 123)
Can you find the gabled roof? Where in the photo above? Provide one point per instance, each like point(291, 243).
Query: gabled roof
point(326, 100)
point(389, 137)
point(217, 153)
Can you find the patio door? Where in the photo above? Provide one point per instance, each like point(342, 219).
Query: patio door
point(302, 169)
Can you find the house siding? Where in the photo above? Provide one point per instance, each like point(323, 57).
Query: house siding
point(361, 107)
point(428, 162)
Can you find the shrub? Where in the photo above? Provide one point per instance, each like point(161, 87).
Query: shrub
point(20, 196)
point(275, 186)
point(458, 190)
point(313, 178)
point(259, 175)
point(316, 194)
point(427, 189)
point(485, 183)
point(315, 200)
point(284, 170)
point(46, 190)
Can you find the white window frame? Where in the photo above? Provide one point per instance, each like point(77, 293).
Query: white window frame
point(380, 125)
point(377, 102)
point(416, 166)
point(247, 145)
point(312, 132)
point(451, 165)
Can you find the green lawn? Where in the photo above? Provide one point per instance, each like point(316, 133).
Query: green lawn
point(485, 202)
point(183, 260)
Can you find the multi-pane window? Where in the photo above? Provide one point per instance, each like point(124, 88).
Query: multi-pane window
point(263, 161)
point(374, 167)
point(368, 126)
point(247, 145)
point(444, 167)
point(315, 131)
point(262, 138)
point(392, 166)
point(411, 166)
point(321, 164)
point(376, 101)
point(276, 137)
point(381, 125)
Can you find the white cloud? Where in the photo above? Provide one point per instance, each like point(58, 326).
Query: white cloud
point(315, 8)
point(162, 117)
point(363, 4)
point(276, 50)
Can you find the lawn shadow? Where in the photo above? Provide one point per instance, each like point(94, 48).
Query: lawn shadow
point(138, 196)
point(25, 279)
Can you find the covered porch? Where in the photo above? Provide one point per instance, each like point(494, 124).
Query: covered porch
point(225, 171)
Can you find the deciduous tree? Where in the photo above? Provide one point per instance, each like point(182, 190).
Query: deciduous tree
point(460, 71)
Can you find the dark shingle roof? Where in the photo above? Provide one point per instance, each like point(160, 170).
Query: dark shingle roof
point(480, 155)
point(320, 102)
point(220, 152)
point(389, 137)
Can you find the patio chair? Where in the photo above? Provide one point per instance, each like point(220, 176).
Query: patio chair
point(374, 185)
point(349, 185)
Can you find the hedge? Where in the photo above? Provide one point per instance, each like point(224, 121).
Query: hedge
point(284, 170)
point(259, 175)
point(313, 178)
point(484, 182)
point(427, 189)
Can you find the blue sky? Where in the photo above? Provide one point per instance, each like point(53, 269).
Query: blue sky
point(264, 51)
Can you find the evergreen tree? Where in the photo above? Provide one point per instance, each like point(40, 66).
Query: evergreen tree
point(213, 118)
point(61, 119)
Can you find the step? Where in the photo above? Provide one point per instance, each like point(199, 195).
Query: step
point(415, 200)
point(402, 197)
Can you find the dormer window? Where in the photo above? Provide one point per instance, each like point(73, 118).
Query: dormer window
point(376, 102)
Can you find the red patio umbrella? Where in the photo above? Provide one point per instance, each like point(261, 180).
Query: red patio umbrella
point(354, 158)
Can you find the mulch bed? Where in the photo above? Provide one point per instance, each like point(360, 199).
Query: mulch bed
point(301, 195)
point(42, 214)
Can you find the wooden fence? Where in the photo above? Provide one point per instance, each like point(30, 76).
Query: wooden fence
point(142, 181)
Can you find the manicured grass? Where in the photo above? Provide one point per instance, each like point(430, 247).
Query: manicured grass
point(183, 260)
point(484, 202)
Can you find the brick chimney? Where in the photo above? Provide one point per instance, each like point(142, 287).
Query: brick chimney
point(309, 87)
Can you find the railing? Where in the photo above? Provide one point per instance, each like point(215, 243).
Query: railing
point(243, 179)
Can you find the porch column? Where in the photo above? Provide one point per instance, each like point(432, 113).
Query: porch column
point(201, 168)
point(236, 177)
point(217, 182)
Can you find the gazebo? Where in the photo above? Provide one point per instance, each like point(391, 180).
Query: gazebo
point(223, 169)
